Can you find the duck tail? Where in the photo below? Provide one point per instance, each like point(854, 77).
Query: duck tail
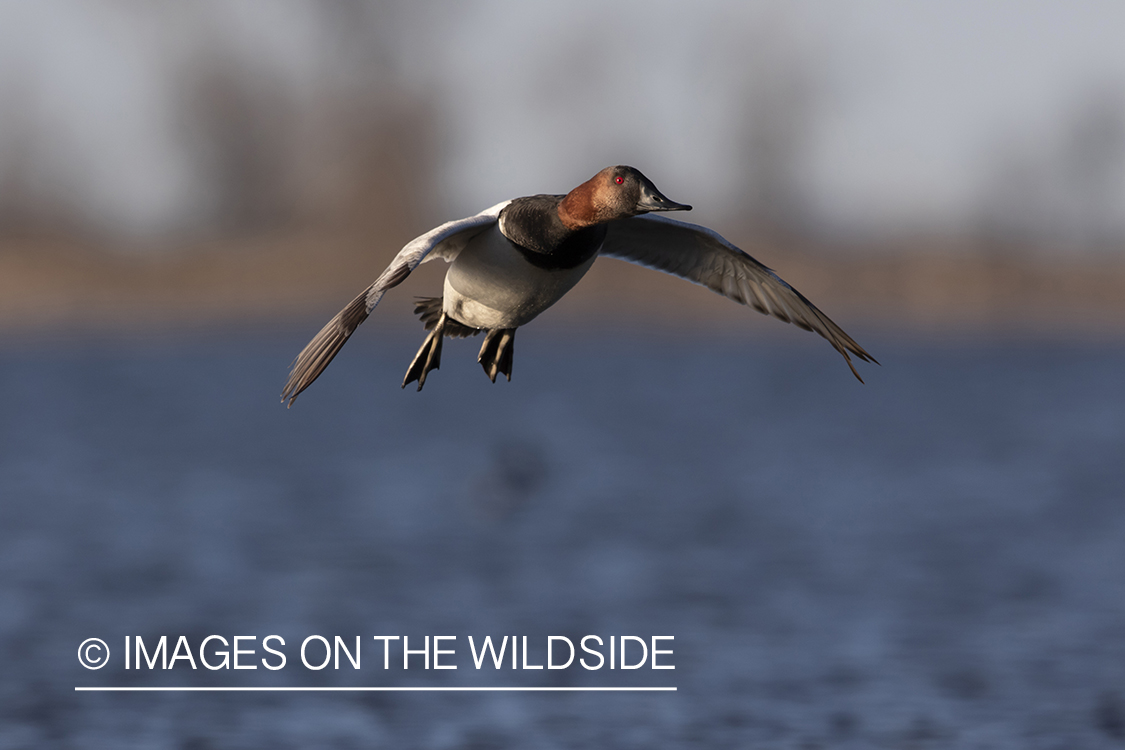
point(439, 324)
point(430, 310)
point(496, 352)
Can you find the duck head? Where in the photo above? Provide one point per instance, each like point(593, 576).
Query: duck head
point(613, 193)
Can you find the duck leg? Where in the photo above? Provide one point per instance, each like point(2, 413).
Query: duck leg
point(506, 348)
point(428, 357)
point(496, 352)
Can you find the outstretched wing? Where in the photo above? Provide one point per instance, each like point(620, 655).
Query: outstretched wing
point(700, 255)
point(444, 242)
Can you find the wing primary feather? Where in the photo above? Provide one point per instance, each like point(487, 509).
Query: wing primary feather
point(394, 276)
point(704, 257)
point(324, 347)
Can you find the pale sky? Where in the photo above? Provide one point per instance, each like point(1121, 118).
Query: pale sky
point(914, 99)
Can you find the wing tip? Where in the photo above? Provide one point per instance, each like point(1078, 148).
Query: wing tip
point(323, 348)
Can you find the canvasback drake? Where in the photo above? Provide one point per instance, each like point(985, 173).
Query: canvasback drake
point(511, 262)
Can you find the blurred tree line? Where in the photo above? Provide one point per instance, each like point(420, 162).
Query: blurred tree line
point(1065, 186)
point(341, 142)
point(333, 134)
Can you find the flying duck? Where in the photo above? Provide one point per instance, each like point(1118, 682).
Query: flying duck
point(512, 261)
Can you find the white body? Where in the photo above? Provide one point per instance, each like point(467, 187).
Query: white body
point(492, 285)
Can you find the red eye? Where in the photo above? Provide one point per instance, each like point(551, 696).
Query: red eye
point(619, 180)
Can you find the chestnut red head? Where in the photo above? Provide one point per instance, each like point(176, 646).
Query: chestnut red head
point(613, 193)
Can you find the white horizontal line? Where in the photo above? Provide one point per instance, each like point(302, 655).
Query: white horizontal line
point(369, 689)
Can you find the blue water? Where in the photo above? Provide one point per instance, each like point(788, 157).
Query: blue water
point(935, 559)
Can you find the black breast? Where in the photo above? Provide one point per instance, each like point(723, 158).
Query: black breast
point(534, 227)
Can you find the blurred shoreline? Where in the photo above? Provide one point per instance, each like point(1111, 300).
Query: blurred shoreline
point(56, 286)
point(201, 167)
